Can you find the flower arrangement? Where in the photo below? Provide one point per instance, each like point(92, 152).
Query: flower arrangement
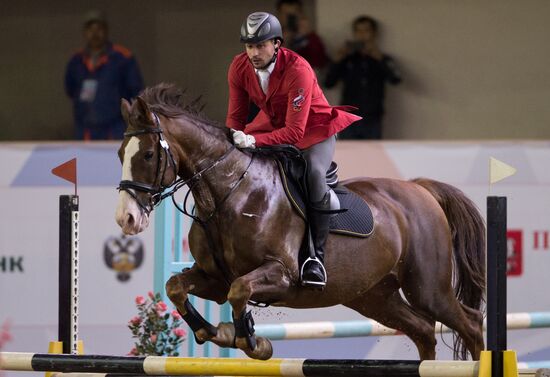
point(157, 331)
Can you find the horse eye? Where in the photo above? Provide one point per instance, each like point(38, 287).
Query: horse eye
point(148, 156)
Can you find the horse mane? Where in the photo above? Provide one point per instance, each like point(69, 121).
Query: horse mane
point(169, 100)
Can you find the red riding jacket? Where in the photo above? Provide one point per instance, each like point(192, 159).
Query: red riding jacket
point(294, 111)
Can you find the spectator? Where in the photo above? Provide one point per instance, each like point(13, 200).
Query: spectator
point(364, 70)
point(97, 77)
point(298, 35)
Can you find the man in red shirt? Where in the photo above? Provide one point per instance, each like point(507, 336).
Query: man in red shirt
point(293, 110)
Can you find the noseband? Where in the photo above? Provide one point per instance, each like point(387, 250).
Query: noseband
point(158, 191)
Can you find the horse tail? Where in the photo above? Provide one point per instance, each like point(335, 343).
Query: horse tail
point(468, 238)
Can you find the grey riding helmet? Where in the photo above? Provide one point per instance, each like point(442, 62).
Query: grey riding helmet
point(259, 27)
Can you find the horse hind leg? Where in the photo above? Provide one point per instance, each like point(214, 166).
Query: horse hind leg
point(476, 329)
point(442, 305)
point(384, 304)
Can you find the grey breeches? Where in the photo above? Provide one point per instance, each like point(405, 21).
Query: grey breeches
point(319, 157)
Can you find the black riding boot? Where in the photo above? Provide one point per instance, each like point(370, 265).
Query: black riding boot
point(313, 270)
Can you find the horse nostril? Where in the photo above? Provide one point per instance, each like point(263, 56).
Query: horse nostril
point(130, 219)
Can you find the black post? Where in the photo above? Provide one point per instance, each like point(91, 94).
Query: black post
point(496, 281)
point(67, 326)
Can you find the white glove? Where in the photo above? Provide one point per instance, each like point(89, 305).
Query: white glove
point(242, 140)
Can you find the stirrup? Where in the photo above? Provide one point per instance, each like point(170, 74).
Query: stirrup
point(312, 283)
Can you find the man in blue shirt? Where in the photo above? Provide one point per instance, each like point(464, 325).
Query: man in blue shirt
point(97, 77)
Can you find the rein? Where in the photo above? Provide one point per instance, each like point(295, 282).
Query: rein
point(183, 208)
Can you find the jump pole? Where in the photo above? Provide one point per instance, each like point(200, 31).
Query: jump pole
point(496, 284)
point(68, 264)
point(347, 329)
point(184, 366)
point(68, 273)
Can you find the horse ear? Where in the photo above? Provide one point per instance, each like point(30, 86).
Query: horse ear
point(125, 109)
point(143, 110)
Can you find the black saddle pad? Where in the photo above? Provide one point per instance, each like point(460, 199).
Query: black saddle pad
point(357, 221)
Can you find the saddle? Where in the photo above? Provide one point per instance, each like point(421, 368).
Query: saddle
point(352, 216)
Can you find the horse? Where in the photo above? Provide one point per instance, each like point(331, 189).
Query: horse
point(425, 261)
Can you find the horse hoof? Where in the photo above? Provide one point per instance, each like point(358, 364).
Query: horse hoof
point(263, 350)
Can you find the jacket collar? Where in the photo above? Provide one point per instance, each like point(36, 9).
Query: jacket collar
point(102, 59)
point(275, 77)
point(277, 74)
point(269, 68)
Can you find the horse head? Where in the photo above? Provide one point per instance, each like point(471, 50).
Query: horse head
point(167, 145)
point(148, 166)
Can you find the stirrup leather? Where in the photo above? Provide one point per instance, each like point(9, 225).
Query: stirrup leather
point(311, 282)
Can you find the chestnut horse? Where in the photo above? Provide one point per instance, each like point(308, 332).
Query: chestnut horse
point(425, 261)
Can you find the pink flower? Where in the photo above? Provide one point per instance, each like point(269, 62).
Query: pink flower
point(5, 335)
point(140, 300)
point(153, 338)
point(180, 333)
point(161, 307)
point(176, 315)
point(151, 295)
point(135, 321)
point(133, 352)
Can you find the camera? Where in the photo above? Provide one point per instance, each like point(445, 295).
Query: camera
point(355, 46)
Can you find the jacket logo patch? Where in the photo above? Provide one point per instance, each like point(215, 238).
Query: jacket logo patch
point(298, 101)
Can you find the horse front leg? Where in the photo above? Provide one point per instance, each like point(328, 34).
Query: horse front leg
point(195, 281)
point(267, 283)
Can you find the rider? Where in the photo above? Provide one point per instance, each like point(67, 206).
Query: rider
point(293, 110)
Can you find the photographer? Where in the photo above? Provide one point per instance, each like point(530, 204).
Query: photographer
point(364, 70)
point(298, 34)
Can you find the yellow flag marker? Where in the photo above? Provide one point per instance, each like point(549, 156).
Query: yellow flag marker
point(498, 170)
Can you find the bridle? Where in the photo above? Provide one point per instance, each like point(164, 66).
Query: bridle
point(158, 191)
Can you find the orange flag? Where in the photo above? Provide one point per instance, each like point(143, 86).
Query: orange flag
point(66, 171)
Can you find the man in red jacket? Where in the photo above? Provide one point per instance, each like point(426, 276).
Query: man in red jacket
point(293, 110)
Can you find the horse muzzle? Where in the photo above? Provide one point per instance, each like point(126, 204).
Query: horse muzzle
point(130, 216)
